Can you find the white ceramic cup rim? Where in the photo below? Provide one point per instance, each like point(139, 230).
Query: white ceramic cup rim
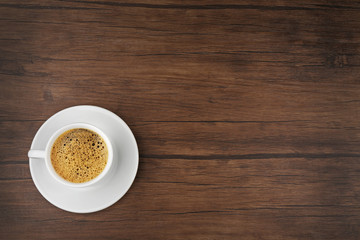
point(51, 141)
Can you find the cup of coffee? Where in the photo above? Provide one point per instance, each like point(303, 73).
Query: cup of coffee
point(77, 155)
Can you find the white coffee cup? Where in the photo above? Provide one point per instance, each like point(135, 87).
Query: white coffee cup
point(46, 155)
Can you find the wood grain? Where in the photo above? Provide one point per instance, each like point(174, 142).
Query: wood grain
point(245, 113)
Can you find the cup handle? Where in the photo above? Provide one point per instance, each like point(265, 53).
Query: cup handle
point(36, 154)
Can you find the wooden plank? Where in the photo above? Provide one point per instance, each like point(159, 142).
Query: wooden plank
point(215, 140)
point(164, 101)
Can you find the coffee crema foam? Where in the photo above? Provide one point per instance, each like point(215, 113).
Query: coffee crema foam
point(79, 155)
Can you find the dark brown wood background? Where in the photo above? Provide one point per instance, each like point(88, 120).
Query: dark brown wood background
point(246, 113)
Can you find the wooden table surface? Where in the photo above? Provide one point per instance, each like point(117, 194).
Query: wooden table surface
point(246, 114)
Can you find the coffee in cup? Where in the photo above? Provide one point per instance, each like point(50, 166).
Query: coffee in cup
point(79, 155)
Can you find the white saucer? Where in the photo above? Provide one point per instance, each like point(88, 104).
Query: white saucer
point(104, 194)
